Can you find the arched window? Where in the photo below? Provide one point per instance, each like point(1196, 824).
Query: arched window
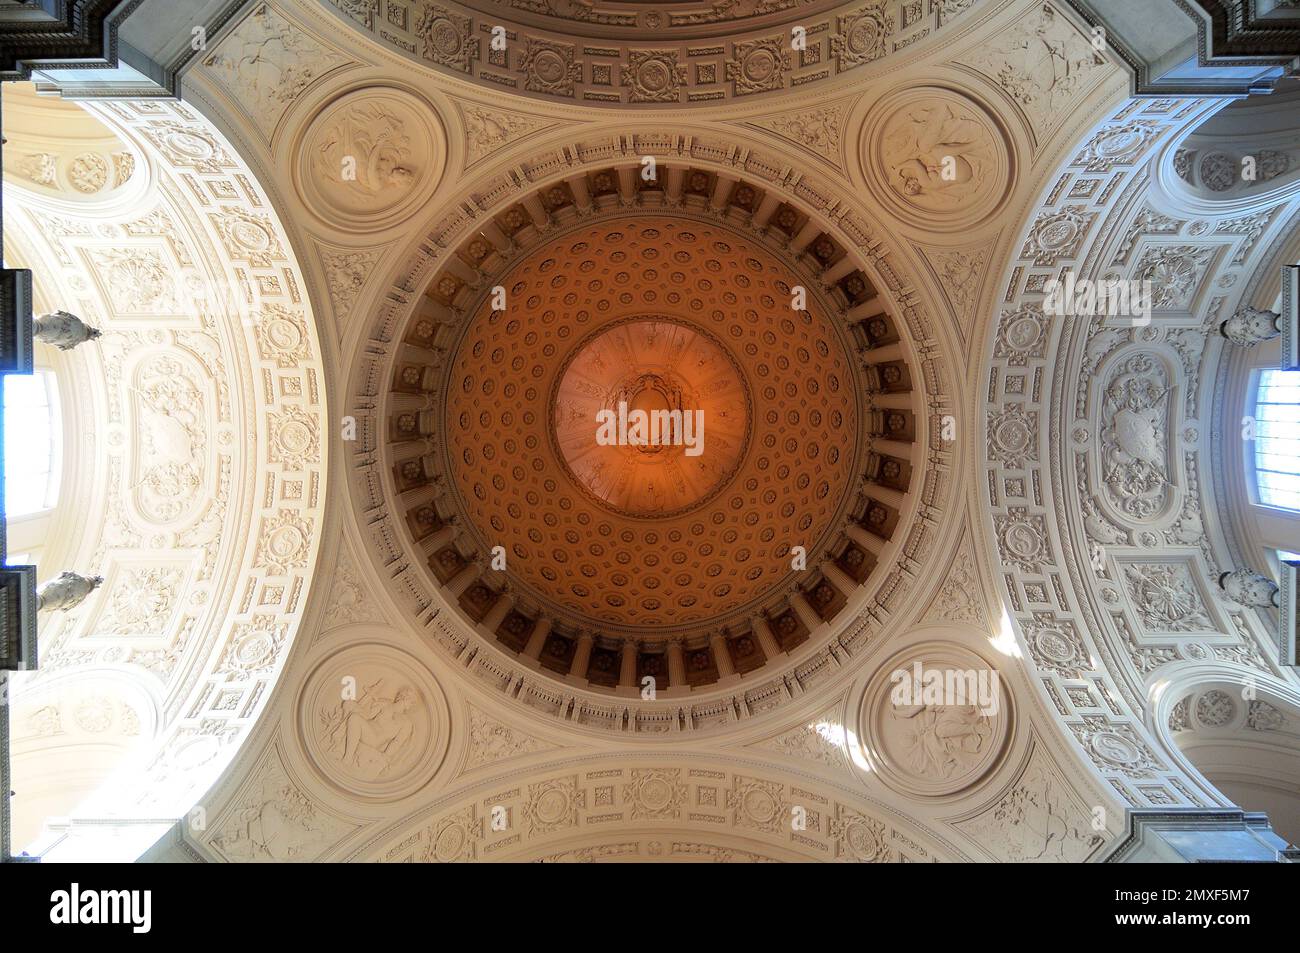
point(1277, 439)
point(32, 443)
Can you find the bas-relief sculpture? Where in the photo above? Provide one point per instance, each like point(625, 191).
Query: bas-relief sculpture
point(1039, 820)
point(266, 63)
point(374, 722)
point(369, 156)
point(938, 155)
point(934, 747)
point(274, 820)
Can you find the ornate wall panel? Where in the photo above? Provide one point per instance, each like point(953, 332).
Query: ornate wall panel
point(203, 507)
point(1102, 513)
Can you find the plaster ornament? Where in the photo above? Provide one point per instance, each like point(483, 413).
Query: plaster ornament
point(1044, 63)
point(88, 173)
point(1219, 171)
point(653, 76)
point(758, 66)
point(491, 741)
point(549, 67)
point(655, 793)
point(939, 155)
point(1118, 145)
point(1136, 414)
point(758, 804)
point(1057, 234)
point(553, 805)
point(935, 156)
point(275, 820)
point(1175, 272)
point(1166, 598)
point(1250, 326)
point(1040, 820)
point(1215, 709)
point(40, 167)
point(142, 601)
point(373, 722)
point(63, 330)
point(819, 128)
point(1261, 716)
point(67, 591)
point(447, 39)
point(367, 150)
point(935, 720)
point(487, 130)
point(266, 63)
point(862, 36)
point(860, 838)
point(170, 415)
point(369, 157)
point(1249, 588)
point(819, 739)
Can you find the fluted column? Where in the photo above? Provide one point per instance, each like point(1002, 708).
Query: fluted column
point(676, 664)
point(673, 189)
point(627, 673)
point(721, 189)
point(810, 230)
point(537, 640)
point(581, 195)
point(885, 494)
point(771, 202)
point(805, 611)
point(766, 640)
point(442, 537)
point(627, 183)
point(893, 448)
point(838, 577)
point(860, 536)
point(581, 656)
point(721, 657)
point(497, 614)
point(868, 309)
point(838, 270)
point(463, 579)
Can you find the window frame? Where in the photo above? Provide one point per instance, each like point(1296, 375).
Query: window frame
point(1252, 471)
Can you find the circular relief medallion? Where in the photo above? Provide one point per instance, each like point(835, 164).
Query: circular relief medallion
point(936, 155)
point(935, 720)
point(373, 722)
point(370, 157)
point(662, 379)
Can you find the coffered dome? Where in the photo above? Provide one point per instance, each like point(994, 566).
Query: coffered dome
point(752, 529)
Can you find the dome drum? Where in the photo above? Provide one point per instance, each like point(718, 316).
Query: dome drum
point(615, 555)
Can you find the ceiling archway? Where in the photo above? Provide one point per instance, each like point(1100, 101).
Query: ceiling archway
point(200, 416)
